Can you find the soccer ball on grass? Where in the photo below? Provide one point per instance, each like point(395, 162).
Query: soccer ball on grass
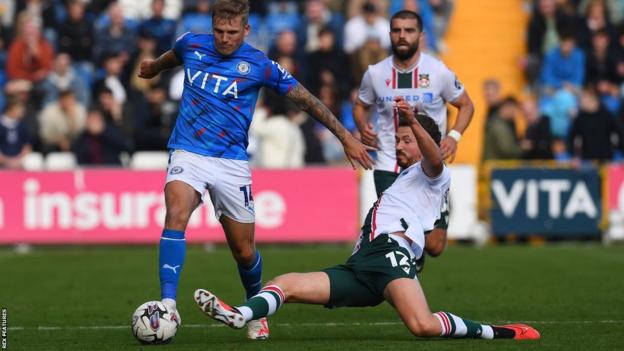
point(154, 323)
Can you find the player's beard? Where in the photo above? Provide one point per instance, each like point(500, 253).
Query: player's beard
point(406, 54)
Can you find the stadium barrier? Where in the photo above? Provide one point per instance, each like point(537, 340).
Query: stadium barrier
point(544, 199)
point(119, 206)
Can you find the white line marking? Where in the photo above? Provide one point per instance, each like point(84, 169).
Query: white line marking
point(295, 325)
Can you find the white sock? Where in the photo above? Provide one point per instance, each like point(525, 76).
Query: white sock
point(171, 303)
point(246, 312)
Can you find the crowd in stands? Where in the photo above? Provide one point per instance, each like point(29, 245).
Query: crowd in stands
point(575, 73)
point(68, 72)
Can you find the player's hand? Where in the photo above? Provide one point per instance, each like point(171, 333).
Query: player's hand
point(357, 151)
point(448, 146)
point(148, 69)
point(367, 134)
point(404, 109)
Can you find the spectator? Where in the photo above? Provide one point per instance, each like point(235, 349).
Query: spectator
point(160, 28)
point(329, 65)
point(154, 120)
point(493, 97)
point(595, 19)
point(75, 34)
point(316, 17)
point(285, 45)
point(614, 9)
point(602, 71)
point(141, 9)
point(115, 38)
point(537, 143)
point(63, 77)
point(370, 53)
point(500, 142)
point(100, 143)
point(61, 122)
point(197, 21)
point(147, 50)
point(21, 91)
point(30, 55)
point(442, 11)
point(280, 141)
point(110, 109)
point(543, 35)
point(113, 65)
point(564, 66)
point(594, 134)
point(369, 24)
point(15, 141)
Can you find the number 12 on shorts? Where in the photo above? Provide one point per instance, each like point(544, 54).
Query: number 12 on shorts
point(246, 189)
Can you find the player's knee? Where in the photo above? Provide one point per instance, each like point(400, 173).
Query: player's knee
point(283, 282)
point(177, 217)
point(244, 255)
point(423, 328)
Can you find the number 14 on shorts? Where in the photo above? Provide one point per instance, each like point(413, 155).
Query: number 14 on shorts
point(247, 196)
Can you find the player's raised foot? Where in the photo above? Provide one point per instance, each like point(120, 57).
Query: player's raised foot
point(218, 310)
point(523, 331)
point(258, 329)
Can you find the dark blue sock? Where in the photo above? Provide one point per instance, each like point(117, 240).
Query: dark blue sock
point(251, 276)
point(171, 261)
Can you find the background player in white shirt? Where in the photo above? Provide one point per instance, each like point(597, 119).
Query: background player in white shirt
point(382, 266)
point(427, 85)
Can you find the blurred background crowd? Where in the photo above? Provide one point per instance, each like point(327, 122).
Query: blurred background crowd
point(68, 73)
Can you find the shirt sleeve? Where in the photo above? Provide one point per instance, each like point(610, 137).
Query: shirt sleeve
point(451, 88)
point(367, 93)
point(278, 79)
point(180, 45)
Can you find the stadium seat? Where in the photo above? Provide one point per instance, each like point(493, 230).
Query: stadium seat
point(149, 160)
point(60, 161)
point(33, 161)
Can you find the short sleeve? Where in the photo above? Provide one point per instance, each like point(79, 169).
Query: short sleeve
point(180, 45)
point(278, 79)
point(452, 88)
point(367, 93)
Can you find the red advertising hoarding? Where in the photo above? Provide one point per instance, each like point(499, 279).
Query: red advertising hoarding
point(106, 206)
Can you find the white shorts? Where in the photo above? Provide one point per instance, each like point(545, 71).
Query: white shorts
point(228, 182)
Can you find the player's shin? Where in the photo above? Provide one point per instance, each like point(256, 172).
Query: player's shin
point(265, 303)
point(171, 260)
point(251, 276)
point(457, 327)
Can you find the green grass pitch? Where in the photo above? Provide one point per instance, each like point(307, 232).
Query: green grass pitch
point(82, 299)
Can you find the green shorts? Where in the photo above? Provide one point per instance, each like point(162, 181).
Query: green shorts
point(383, 180)
point(362, 279)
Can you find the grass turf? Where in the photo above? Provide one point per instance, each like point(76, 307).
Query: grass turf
point(82, 299)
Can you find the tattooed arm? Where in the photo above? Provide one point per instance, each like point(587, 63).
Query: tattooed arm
point(352, 147)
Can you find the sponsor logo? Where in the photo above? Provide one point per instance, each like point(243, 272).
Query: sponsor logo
point(458, 85)
point(423, 81)
point(243, 68)
point(388, 81)
point(176, 170)
point(579, 201)
point(205, 80)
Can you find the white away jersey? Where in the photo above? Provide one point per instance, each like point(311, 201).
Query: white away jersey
point(412, 204)
point(427, 87)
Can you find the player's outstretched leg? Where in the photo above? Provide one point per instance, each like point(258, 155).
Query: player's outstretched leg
point(409, 300)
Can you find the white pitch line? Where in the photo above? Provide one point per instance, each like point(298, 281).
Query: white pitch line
point(328, 324)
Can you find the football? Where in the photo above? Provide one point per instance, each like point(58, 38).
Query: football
point(153, 323)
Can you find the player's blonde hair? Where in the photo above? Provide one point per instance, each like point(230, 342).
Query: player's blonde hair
point(230, 9)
